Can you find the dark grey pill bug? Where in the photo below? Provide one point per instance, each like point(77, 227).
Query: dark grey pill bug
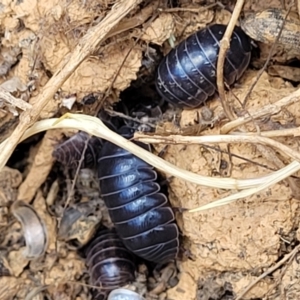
point(186, 77)
point(109, 263)
point(142, 215)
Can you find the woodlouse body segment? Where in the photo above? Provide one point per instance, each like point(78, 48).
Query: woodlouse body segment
point(186, 77)
point(142, 216)
point(110, 264)
point(69, 153)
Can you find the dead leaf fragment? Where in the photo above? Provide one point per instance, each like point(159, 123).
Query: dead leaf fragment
point(98, 74)
point(160, 29)
point(264, 26)
point(40, 168)
point(286, 72)
point(10, 179)
point(17, 261)
point(185, 289)
point(9, 287)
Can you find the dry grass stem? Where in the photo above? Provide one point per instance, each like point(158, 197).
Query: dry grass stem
point(272, 133)
point(276, 177)
point(94, 126)
point(179, 139)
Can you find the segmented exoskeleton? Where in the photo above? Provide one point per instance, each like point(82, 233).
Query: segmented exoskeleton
point(70, 152)
point(142, 215)
point(186, 77)
point(110, 264)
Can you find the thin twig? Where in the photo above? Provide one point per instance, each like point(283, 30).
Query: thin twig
point(86, 46)
point(273, 133)
point(267, 110)
point(17, 102)
point(127, 55)
point(191, 9)
point(268, 272)
point(71, 193)
point(239, 157)
point(94, 126)
point(113, 113)
point(213, 139)
point(224, 46)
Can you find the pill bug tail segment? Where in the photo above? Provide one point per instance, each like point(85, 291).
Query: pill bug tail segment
point(109, 263)
point(142, 215)
point(186, 77)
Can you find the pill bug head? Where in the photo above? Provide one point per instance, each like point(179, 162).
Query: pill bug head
point(109, 263)
point(186, 77)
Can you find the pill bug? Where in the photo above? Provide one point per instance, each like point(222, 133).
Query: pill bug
point(70, 152)
point(109, 263)
point(186, 76)
point(142, 215)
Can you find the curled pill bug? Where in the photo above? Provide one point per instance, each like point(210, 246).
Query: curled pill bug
point(142, 215)
point(110, 264)
point(186, 77)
